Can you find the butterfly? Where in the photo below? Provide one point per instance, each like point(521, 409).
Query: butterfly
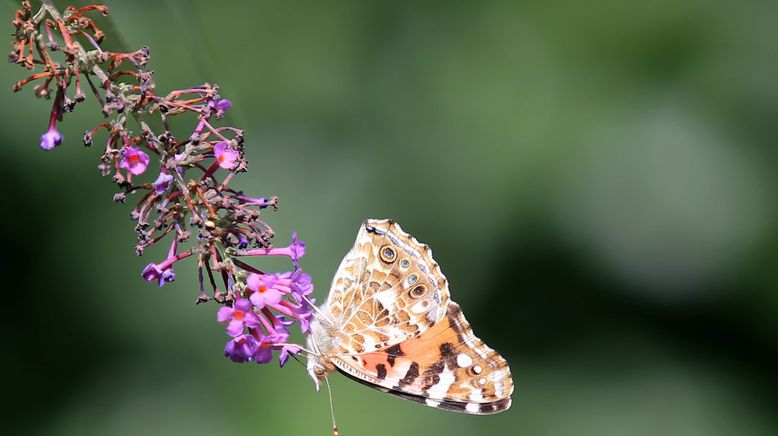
point(389, 323)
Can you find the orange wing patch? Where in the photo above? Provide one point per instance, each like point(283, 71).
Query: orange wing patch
point(447, 367)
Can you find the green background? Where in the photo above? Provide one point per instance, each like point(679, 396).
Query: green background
point(597, 180)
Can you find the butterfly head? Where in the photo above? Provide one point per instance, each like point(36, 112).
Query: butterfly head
point(318, 365)
point(317, 370)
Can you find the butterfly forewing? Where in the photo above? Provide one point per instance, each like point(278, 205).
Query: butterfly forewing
point(387, 289)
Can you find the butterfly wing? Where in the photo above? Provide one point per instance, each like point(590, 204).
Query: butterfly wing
point(447, 367)
point(387, 289)
point(391, 325)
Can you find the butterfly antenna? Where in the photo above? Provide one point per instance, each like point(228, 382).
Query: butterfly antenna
point(318, 311)
point(298, 360)
point(335, 431)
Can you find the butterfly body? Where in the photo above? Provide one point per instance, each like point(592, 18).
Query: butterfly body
point(389, 323)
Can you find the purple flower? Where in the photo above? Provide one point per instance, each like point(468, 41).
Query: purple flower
point(301, 285)
point(262, 354)
point(302, 312)
point(295, 251)
point(267, 343)
point(134, 160)
point(163, 271)
point(243, 241)
point(286, 351)
point(261, 202)
point(162, 183)
point(153, 272)
point(239, 316)
point(225, 155)
point(221, 104)
point(297, 248)
point(168, 276)
point(51, 139)
point(263, 290)
point(241, 349)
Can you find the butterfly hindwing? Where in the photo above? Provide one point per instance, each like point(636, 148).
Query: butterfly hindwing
point(447, 367)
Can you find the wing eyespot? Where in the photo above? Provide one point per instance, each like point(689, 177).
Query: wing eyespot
point(475, 370)
point(418, 291)
point(387, 253)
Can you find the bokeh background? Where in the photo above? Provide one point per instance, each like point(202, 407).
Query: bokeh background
point(596, 179)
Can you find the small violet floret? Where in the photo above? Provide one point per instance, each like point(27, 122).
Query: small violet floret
point(221, 104)
point(239, 316)
point(303, 312)
point(153, 272)
point(286, 351)
point(134, 160)
point(267, 343)
point(241, 349)
point(301, 285)
point(51, 139)
point(162, 183)
point(226, 155)
point(263, 290)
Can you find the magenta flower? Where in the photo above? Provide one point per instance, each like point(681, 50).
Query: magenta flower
point(162, 183)
point(51, 139)
point(297, 248)
point(168, 276)
point(241, 349)
point(295, 251)
point(162, 275)
point(134, 160)
point(239, 316)
point(297, 284)
point(243, 241)
point(163, 271)
point(261, 202)
point(267, 343)
point(263, 290)
point(263, 353)
point(286, 351)
point(226, 155)
point(221, 104)
point(301, 285)
point(303, 312)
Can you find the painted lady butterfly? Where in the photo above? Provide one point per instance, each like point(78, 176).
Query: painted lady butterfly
point(389, 323)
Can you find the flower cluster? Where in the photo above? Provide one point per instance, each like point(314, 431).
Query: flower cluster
point(255, 329)
point(181, 182)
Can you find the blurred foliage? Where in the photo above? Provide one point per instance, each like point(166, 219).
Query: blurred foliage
point(595, 179)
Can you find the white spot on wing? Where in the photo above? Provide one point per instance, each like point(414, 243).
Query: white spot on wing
point(420, 307)
point(440, 389)
point(463, 360)
point(386, 298)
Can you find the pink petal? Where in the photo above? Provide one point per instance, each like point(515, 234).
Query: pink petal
point(224, 314)
point(235, 328)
